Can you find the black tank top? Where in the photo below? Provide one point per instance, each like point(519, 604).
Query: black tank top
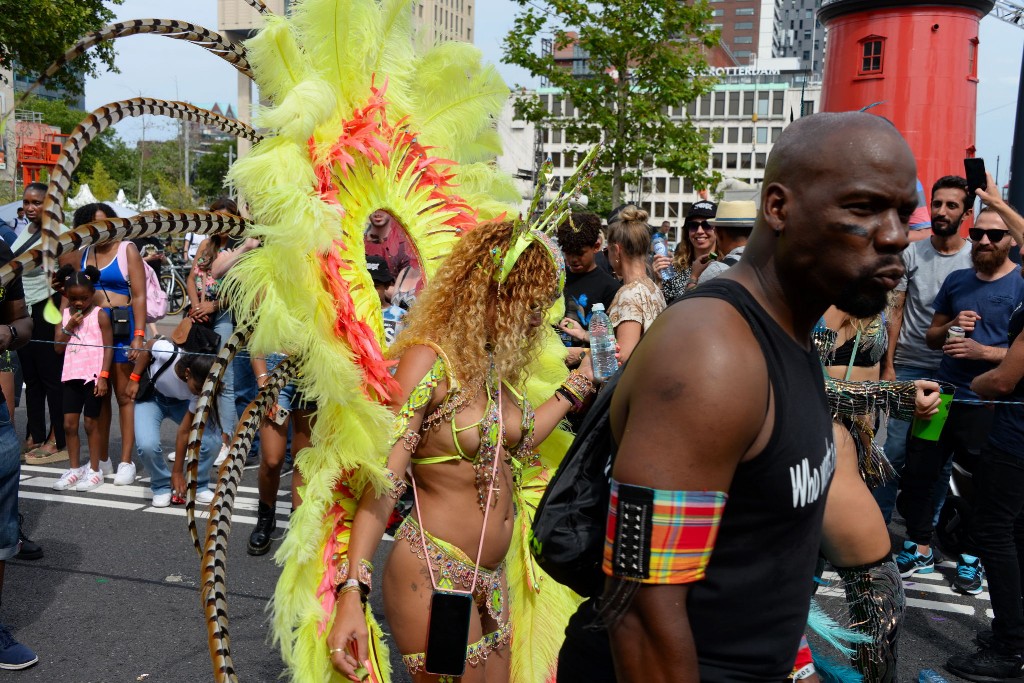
point(749, 612)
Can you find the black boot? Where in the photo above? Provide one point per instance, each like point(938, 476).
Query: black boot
point(29, 550)
point(266, 522)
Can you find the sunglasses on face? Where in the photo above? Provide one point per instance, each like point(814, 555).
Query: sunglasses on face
point(994, 236)
point(694, 226)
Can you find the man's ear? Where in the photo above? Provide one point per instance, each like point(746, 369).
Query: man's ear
point(775, 201)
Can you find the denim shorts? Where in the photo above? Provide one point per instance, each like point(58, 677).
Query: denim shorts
point(10, 473)
point(123, 345)
point(285, 398)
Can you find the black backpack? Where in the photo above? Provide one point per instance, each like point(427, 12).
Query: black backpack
point(567, 537)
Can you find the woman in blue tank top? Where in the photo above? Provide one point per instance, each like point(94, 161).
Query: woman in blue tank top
point(114, 290)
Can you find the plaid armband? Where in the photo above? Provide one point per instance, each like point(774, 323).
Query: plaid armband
point(660, 537)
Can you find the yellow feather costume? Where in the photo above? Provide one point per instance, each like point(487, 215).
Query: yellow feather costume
point(359, 122)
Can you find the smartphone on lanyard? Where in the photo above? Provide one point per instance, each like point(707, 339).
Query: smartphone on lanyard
point(448, 633)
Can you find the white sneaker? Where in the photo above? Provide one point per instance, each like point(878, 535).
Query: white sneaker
point(222, 456)
point(204, 496)
point(89, 481)
point(161, 500)
point(70, 478)
point(125, 474)
point(170, 456)
point(106, 467)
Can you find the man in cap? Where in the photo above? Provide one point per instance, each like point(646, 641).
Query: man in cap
point(733, 224)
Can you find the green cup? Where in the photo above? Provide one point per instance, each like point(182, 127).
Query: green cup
point(931, 429)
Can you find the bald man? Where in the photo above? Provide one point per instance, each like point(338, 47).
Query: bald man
point(725, 444)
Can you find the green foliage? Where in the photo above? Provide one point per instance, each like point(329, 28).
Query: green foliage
point(174, 194)
point(208, 178)
point(599, 196)
point(161, 169)
point(34, 34)
point(103, 187)
point(657, 46)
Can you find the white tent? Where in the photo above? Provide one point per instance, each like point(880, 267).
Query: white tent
point(122, 207)
point(8, 212)
point(148, 203)
point(84, 196)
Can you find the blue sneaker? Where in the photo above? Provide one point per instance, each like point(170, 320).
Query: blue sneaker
point(14, 655)
point(910, 562)
point(969, 574)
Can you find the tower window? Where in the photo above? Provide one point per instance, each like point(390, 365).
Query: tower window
point(871, 55)
point(972, 57)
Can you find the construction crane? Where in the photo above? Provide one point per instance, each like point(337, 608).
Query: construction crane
point(1013, 13)
point(1010, 12)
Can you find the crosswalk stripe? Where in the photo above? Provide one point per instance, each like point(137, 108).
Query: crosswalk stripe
point(940, 606)
point(98, 502)
point(205, 514)
point(110, 496)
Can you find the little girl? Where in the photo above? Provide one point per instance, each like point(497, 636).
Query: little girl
point(86, 340)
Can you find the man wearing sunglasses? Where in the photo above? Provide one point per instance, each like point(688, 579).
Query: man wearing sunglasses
point(995, 531)
point(980, 300)
point(908, 357)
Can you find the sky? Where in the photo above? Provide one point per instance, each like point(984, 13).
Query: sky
point(159, 67)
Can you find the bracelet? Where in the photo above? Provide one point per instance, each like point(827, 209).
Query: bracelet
point(410, 440)
point(134, 377)
point(140, 333)
point(261, 376)
point(578, 385)
point(574, 403)
point(14, 332)
point(67, 331)
point(104, 374)
point(364, 573)
point(398, 486)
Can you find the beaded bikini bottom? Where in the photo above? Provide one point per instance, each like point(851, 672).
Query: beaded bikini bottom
point(454, 569)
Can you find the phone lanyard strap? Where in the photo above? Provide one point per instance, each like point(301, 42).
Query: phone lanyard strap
point(487, 508)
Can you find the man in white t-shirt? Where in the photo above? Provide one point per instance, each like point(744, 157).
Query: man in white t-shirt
point(192, 242)
point(908, 357)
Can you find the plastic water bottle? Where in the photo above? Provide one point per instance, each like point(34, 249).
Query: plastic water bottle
point(660, 246)
point(393, 322)
point(929, 676)
point(602, 344)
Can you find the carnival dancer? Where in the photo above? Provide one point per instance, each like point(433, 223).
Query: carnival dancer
point(855, 537)
point(465, 432)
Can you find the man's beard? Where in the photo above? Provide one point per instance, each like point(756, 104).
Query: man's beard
point(862, 299)
point(989, 261)
point(948, 230)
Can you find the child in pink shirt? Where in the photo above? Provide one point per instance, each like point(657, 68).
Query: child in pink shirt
point(86, 340)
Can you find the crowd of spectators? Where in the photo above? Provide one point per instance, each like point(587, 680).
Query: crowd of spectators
point(99, 350)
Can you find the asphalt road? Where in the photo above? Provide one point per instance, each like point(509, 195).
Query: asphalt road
point(115, 598)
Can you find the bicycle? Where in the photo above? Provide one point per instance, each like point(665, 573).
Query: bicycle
point(173, 284)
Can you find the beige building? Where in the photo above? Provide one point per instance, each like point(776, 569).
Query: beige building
point(439, 21)
point(436, 21)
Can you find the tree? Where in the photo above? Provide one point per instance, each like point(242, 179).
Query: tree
point(212, 169)
point(34, 34)
point(599, 195)
point(103, 187)
point(174, 194)
point(637, 59)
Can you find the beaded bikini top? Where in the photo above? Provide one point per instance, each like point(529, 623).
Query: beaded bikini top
point(456, 400)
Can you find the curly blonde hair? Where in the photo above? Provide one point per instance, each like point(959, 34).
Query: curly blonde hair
point(461, 312)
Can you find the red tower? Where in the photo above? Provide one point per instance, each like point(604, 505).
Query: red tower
point(917, 62)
